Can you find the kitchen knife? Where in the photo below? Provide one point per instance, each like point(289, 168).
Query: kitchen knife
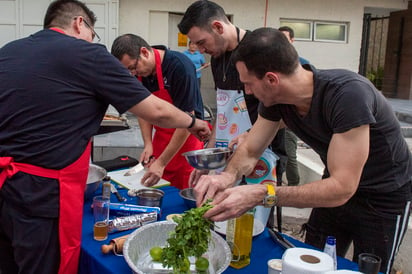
point(133, 170)
point(278, 238)
point(139, 167)
point(119, 197)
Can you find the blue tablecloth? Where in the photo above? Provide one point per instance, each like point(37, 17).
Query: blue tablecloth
point(92, 260)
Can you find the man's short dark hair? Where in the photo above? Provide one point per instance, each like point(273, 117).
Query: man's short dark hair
point(200, 14)
point(288, 29)
point(60, 13)
point(267, 49)
point(129, 44)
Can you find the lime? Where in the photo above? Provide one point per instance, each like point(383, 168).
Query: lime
point(156, 253)
point(202, 264)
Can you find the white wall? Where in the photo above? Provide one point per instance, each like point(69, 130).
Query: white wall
point(138, 17)
point(330, 55)
point(20, 18)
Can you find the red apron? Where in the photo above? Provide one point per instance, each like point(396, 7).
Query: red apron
point(72, 182)
point(178, 170)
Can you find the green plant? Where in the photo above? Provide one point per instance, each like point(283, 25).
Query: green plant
point(376, 77)
point(190, 238)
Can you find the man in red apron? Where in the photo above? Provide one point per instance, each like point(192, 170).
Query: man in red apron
point(56, 87)
point(171, 76)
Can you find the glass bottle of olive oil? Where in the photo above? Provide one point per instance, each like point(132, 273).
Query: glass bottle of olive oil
point(239, 235)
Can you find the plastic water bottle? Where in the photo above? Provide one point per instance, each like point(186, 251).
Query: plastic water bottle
point(239, 235)
point(330, 249)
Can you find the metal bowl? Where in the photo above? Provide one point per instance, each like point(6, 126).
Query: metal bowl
point(150, 197)
point(136, 248)
point(188, 197)
point(94, 179)
point(208, 158)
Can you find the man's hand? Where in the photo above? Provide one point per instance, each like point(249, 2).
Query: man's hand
point(238, 140)
point(195, 176)
point(153, 174)
point(208, 186)
point(201, 130)
point(234, 201)
point(146, 157)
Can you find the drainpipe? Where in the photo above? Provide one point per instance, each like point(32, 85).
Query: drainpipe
point(266, 13)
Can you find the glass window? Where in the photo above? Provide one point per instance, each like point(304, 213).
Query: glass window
point(302, 29)
point(335, 32)
point(308, 30)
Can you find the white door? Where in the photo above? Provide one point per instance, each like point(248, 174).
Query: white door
point(175, 37)
point(20, 18)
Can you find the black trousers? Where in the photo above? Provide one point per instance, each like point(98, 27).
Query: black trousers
point(28, 244)
point(371, 227)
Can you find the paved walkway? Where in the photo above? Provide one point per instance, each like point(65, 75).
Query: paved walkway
point(403, 109)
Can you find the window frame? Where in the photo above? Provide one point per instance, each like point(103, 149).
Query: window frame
point(344, 24)
point(313, 27)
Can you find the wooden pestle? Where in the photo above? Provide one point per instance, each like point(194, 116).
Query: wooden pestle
point(115, 245)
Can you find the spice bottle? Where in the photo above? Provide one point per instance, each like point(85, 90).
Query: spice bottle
point(106, 187)
point(330, 249)
point(239, 235)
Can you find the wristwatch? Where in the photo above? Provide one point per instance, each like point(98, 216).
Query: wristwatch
point(270, 199)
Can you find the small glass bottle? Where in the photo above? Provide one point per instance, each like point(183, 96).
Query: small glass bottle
point(239, 237)
point(106, 187)
point(330, 249)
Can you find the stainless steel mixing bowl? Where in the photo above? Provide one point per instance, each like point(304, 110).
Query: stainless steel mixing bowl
point(188, 197)
point(208, 158)
point(94, 179)
point(136, 248)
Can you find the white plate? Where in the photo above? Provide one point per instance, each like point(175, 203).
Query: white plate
point(220, 227)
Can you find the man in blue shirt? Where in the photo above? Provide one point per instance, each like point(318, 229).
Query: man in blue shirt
point(197, 59)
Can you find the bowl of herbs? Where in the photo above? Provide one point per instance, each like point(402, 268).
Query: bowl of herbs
point(184, 245)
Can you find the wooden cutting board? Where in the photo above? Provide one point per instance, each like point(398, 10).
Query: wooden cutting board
point(132, 181)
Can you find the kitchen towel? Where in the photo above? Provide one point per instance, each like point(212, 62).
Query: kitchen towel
point(306, 261)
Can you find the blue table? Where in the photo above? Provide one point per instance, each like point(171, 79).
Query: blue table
point(92, 260)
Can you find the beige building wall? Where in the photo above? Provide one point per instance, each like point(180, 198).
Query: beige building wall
point(150, 19)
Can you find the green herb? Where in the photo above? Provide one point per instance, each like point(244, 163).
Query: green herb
point(190, 238)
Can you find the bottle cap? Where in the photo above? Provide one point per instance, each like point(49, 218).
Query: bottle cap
point(331, 240)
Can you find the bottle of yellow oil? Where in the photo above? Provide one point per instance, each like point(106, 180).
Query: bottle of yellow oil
point(239, 235)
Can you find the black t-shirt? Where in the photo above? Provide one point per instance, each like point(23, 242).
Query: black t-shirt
point(224, 67)
point(179, 78)
point(54, 92)
point(343, 100)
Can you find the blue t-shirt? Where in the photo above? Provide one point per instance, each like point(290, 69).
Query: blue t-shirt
point(197, 59)
point(54, 92)
point(180, 80)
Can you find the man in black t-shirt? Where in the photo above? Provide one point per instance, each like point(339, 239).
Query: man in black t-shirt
point(206, 24)
point(365, 193)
